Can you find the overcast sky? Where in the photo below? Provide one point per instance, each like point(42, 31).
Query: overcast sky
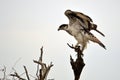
point(27, 25)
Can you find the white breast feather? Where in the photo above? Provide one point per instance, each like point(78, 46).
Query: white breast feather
point(77, 32)
point(75, 28)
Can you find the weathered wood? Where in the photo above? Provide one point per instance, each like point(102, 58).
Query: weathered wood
point(78, 64)
point(44, 70)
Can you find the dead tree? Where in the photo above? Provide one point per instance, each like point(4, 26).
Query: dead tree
point(77, 65)
point(44, 70)
point(41, 72)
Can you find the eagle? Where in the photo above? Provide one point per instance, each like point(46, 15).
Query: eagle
point(80, 26)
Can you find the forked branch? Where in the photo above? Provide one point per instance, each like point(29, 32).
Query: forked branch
point(44, 70)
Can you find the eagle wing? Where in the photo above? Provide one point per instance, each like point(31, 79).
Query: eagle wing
point(88, 22)
point(85, 21)
point(83, 16)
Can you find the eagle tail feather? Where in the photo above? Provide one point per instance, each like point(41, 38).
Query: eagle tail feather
point(94, 39)
point(100, 32)
point(102, 45)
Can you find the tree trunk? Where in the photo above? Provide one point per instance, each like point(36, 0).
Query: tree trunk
point(78, 64)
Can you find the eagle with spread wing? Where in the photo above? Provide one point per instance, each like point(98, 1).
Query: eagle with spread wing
point(80, 26)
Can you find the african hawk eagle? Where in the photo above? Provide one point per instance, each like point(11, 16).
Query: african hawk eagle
point(80, 26)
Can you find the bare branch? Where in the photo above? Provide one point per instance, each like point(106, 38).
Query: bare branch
point(40, 59)
point(70, 46)
point(47, 70)
point(26, 72)
point(16, 75)
point(37, 72)
point(43, 71)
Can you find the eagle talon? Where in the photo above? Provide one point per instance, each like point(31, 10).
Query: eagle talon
point(79, 50)
point(77, 46)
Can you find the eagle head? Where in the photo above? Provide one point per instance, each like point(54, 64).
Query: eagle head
point(63, 27)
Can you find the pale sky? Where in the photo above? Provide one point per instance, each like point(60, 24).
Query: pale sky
point(27, 25)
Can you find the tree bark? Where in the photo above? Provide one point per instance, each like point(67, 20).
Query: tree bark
point(78, 64)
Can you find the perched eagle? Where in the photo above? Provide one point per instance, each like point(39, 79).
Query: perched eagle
point(80, 26)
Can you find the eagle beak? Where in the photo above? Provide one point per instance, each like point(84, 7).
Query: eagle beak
point(58, 29)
